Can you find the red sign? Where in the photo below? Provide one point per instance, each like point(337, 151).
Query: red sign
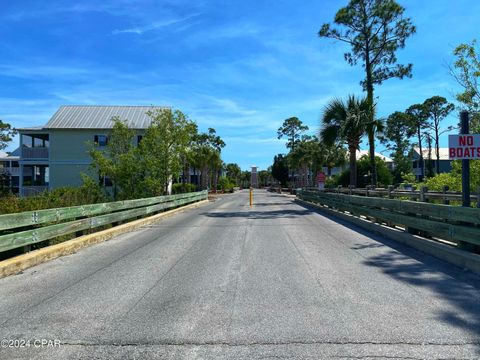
point(321, 177)
point(464, 146)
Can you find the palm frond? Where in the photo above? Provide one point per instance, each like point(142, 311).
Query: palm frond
point(334, 112)
point(330, 134)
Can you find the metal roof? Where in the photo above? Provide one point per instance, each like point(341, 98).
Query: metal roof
point(443, 152)
point(99, 117)
point(33, 128)
point(5, 156)
point(361, 153)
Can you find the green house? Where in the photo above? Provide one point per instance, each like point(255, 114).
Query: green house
point(56, 154)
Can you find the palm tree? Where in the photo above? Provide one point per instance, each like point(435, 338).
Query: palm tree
point(233, 172)
point(348, 122)
point(304, 157)
point(216, 166)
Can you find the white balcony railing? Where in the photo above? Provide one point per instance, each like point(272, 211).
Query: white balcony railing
point(35, 152)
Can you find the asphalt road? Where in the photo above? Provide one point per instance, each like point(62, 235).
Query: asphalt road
point(226, 281)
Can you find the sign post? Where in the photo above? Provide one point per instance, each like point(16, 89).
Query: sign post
point(321, 180)
point(466, 147)
point(465, 163)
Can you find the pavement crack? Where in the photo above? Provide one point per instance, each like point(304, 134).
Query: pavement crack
point(265, 343)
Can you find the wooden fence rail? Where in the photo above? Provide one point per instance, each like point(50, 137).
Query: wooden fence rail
point(423, 194)
point(31, 227)
point(456, 224)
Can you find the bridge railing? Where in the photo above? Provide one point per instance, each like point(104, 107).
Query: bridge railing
point(422, 194)
point(458, 225)
point(31, 227)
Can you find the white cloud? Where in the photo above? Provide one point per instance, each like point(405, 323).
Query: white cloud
point(139, 30)
point(229, 106)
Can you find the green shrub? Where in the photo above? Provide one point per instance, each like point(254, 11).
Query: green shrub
point(88, 193)
point(453, 179)
point(225, 184)
point(332, 181)
point(181, 188)
point(409, 178)
point(437, 182)
point(384, 176)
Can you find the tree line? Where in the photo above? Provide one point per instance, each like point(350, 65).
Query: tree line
point(169, 150)
point(159, 161)
point(375, 30)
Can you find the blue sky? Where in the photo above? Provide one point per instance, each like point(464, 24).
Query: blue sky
point(241, 67)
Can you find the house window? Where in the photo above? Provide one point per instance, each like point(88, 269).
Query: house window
point(139, 139)
point(105, 181)
point(36, 175)
point(100, 140)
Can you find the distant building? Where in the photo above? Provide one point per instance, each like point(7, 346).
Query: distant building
point(388, 161)
point(339, 169)
point(54, 155)
point(254, 177)
point(10, 171)
point(445, 163)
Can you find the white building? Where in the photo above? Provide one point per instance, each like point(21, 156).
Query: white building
point(339, 169)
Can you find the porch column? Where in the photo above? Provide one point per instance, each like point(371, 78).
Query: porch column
point(20, 180)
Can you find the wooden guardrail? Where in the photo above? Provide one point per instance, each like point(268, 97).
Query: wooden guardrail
point(456, 224)
point(30, 227)
point(423, 194)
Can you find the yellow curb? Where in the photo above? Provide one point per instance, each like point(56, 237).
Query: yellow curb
point(19, 263)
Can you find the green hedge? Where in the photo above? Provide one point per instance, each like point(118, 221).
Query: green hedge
point(181, 188)
point(88, 193)
point(225, 184)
